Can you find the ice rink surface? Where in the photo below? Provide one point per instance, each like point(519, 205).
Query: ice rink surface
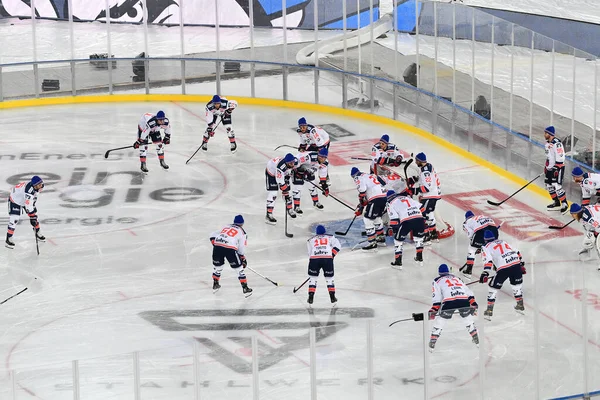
point(127, 267)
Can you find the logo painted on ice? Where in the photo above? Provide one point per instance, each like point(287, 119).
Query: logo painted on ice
point(520, 220)
point(238, 345)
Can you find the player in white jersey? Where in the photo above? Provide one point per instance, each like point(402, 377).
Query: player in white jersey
point(277, 176)
point(590, 185)
point(555, 171)
point(322, 248)
point(385, 153)
point(311, 166)
point(219, 107)
point(405, 218)
point(509, 265)
point(150, 125)
point(589, 217)
point(312, 138)
point(474, 226)
point(230, 243)
point(373, 201)
point(23, 198)
point(450, 295)
point(427, 186)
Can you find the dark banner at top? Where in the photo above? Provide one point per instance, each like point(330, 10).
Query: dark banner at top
point(267, 13)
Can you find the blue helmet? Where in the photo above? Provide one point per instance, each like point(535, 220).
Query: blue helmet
point(354, 171)
point(550, 131)
point(488, 235)
point(385, 139)
point(577, 172)
point(36, 180)
point(302, 121)
point(575, 208)
point(469, 214)
point(289, 157)
point(443, 269)
point(324, 152)
point(320, 230)
point(421, 157)
point(238, 220)
point(216, 99)
point(160, 115)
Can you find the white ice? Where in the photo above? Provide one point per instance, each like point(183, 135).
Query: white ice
point(117, 249)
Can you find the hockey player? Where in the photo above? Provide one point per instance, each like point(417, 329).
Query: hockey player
point(509, 265)
point(430, 192)
point(474, 226)
point(385, 153)
point(372, 200)
point(219, 107)
point(310, 165)
point(589, 217)
point(150, 125)
point(277, 175)
point(322, 248)
point(590, 185)
point(312, 138)
point(554, 171)
point(230, 243)
point(450, 295)
point(23, 197)
point(405, 218)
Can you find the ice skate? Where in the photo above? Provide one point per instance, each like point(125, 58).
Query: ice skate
point(564, 208)
point(419, 259)
point(520, 307)
point(555, 206)
point(247, 291)
point(233, 147)
point(269, 219)
point(204, 146)
point(434, 236)
point(487, 314)
point(397, 263)
point(298, 210)
point(39, 236)
point(311, 298)
point(291, 213)
point(216, 286)
point(432, 345)
point(370, 246)
point(164, 164)
point(380, 239)
point(318, 205)
point(467, 271)
point(333, 299)
point(475, 337)
point(143, 166)
point(9, 243)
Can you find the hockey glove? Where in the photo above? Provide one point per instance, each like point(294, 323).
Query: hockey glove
point(484, 277)
point(138, 143)
point(363, 201)
point(396, 162)
point(359, 211)
point(167, 139)
point(325, 188)
point(212, 240)
point(523, 270)
point(390, 232)
point(309, 176)
point(302, 148)
point(433, 312)
point(244, 261)
point(474, 307)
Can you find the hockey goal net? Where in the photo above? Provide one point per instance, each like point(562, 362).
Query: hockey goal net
point(395, 179)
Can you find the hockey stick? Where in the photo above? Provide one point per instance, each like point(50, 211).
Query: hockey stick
point(400, 320)
point(512, 195)
point(360, 158)
point(290, 235)
point(118, 148)
point(561, 227)
point(302, 284)
point(37, 244)
point(348, 229)
point(262, 276)
point(415, 317)
point(285, 145)
point(410, 161)
point(14, 295)
point(333, 197)
point(198, 149)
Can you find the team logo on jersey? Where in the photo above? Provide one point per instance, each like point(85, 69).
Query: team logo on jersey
point(519, 220)
point(275, 324)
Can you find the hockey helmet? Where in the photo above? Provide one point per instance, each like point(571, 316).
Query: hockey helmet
point(443, 269)
point(320, 230)
point(160, 115)
point(488, 235)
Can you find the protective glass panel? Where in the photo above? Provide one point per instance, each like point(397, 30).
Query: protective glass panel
point(52, 381)
point(200, 77)
point(91, 77)
point(166, 373)
point(18, 82)
point(107, 377)
point(55, 79)
point(521, 82)
point(165, 76)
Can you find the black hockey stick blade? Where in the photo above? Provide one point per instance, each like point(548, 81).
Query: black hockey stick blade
point(37, 244)
point(14, 295)
point(285, 145)
point(400, 320)
point(302, 284)
point(290, 235)
point(264, 277)
point(348, 229)
point(515, 193)
point(360, 158)
point(561, 227)
point(115, 149)
point(197, 150)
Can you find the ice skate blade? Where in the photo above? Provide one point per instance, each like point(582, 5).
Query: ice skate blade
point(522, 312)
point(334, 305)
point(246, 295)
point(487, 317)
point(397, 267)
point(270, 223)
point(12, 247)
point(215, 290)
point(467, 276)
point(431, 350)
